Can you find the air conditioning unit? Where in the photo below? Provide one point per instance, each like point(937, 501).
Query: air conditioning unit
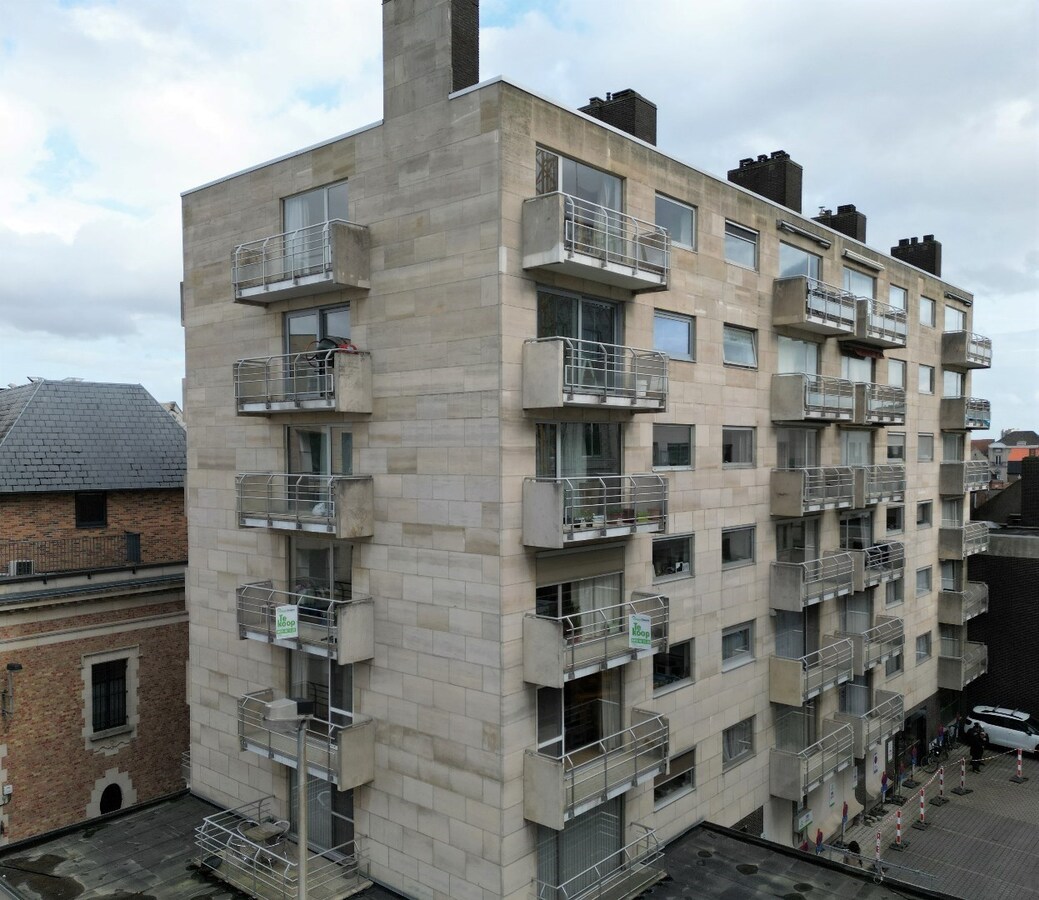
point(17, 567)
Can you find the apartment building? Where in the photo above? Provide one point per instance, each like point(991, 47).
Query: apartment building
point(93, 629)
point(582, 494)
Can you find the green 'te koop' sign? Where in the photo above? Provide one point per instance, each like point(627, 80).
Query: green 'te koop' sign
point(640, 635)
point(286, 622)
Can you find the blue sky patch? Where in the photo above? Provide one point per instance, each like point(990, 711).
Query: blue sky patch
point(63, 164)
point(324, 95)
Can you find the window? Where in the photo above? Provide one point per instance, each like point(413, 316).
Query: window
point(737, 645)
point(737, 546)
point(738, 446)
point(925, 448)
point(924, 514)
point(894, 592)
point(797, 448)
point(673, 557)
point(562, 314)
point(91, 509)
point(674, 335)
point(738, 742)
point(856, 530)
point(857, 368)
point(923, 647)
point(893, 665)
point(797, 540)
point(897, 296)
point(673, 667)
point(795, 261)
point(741, 245)
point(320, 450)
point(739, 347)
point(955, 319)
point(952, 383)
point(672, 446)
point(950, 571)
point(316, 207)
point(680, 780)
point(304, 327)
point(797, 356)
point(108, 695)
point(577, 449)
point(856, 447)
point(925, 379)
point(952, 447)
point(558, 173)
point(860, 284)
point(895, 519)
point(952, 512)
point(679, 220)
point(896, 373)
point(927, 312)
point(896, 446)
point(923, 581)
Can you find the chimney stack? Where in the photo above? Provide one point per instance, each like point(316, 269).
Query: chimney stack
point(776, 177)
point(925, 254)
point(847, 220)
point(627, 110)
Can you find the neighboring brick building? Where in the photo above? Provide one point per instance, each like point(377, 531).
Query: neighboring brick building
point(93, 629)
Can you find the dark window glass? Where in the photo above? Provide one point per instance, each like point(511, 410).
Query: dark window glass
point(108, 680)
point(91, 509)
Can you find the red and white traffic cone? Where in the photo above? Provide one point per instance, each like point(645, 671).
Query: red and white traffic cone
point(899, 844)
point(962, 789)
point(941, 799)
point(1018, 778)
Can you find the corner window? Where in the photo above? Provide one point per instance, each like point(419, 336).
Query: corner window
point(859, 283)
point(739, 347)
point(925, 448)
point(927, 312)
point(923, 647)
point(923, 581)
point(674, 335)
point(795, 261)
point(737, 645)
point(91, 509)
point(737, 547)
point(672, 446)
point(896, 373)
point(896, 446)
point(673, 557)
point(679, 220)
point(673, 667)
point(955, 319)
point(925, 379)
point(680, 780)
point(741, 245)
point(894, 518)
point(952, 383)
point(897, 296)
point(924, 514)
point(558, 173)
point(737, 447)
point(738, 742)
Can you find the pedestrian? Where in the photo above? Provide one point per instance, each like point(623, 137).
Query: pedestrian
point(976, 742)
point(853, 849)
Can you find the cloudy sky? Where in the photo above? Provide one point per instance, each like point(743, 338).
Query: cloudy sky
point(922, 114)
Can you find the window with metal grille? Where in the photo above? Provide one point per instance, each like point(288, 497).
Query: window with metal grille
point(91, 509)
point(108, 682)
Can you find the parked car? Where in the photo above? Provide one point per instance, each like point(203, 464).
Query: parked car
point(1006, 727)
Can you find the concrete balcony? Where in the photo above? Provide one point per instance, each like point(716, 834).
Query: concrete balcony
point(879, 324)
point(876, 725)
point(560, 372)
point(320, 380)
point(956, 672)
point(340, 749)
point(339, 505)
point(326, 257)
point(621, 875)
point(879, 404)
point(568, 235)
point(336, 623)
point(556, 789)
point(558, 512)
point(793, 775)
point(812, 398)
point(959, 607)
point(808, 305)
point(250, 849)
point(557, 650)
point(962, 541)
point(965, 414)
point(879, 484)
point(877, 644)
point(797, 492)
point(962, 350)
point(958, 478)
point(796, 585)
point(878, 564)
point(793, 682)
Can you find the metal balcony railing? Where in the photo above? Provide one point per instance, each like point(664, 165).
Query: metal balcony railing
point(975, 538)
point(831, 305)
point(977, 413)
point(794, 774)
point(604, 504)
point(975, 475)
point(975, 660)
point(965, 413)
point(960, 663)
point(884, 403)
point(884, 562)
point(612, 371)
point(624, 873)
point(964, 348)
point(874, 725)
point(290, 381)
point(249, 849)
point(35, 559)
point(883, 482)
point(883, 640)
point(959, 607)
point(811, 581)
point(963, 477)
point(825, 397)
point(281, 257)
point(612, 236)
point(826, 667)
point(827, 486)
point(885, 322)
point(292, 501)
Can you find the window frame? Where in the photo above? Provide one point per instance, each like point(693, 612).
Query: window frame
point(682, 208)
point(108, 740)
point(928, 647)
point(669, 467)
point(728, 443)
point(743, 656)
point(924, 514)
point(922, 590)
point(690, 541)
point(91, 509)
point(686, 758)
point(958, 386)
point(899, 365)
point(924, 373)
point(894, 665)
point(931, 320)
point(901, 527)
point(894, 587)
point(903, 303)
point(895, 445)
point(749, 236)
point(923, 440)
point(664, 315)
point(324, 191)
point(740, 562)
point(688, 667)
point(954, 312)
point(746, 725)
point(727, 330)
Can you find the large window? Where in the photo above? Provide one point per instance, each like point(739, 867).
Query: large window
point(91, 509)
point(797, 448)
point(558, 173)
point(923, 581)
point(737, 446)
point(927, 312)
point(674, 667)
point(896, 373)
point(679, 219)
point(952, 383)
point(320, 450)
point(737, 645)
point(315, 207)
point(673, 557)
point(856, 447)
point(797, 356)
point(738, 742)
point(955, 319)
point(672, 446)
point(795, 261)
point(562, 314)
point(897, 296)
point(307, 326)
point(675, 335)
point(739, 347)
point(737, 546)
point(577, 449)
point(859, 284)
point(952, 446)
point(925, 379)
point(741, 245)
point(680, 780)
point(108, 695)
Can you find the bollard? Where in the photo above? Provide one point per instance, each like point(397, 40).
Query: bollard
point(899, 844)
point(962, 789)
point(878, 851)
point(1018, 778)
point(941, 799)
point(922, 824)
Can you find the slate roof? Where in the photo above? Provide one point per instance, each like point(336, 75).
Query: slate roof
point(1013, 438)
point(78, 436)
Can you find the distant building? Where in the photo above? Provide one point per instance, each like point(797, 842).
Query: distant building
point(93, 629)
point(1005, 454)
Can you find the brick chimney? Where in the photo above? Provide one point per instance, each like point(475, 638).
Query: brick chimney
point(925, 254)
point(627, 110)
point(847, 220)
point(1030, 491)
point(776, 177)
point(429, 49)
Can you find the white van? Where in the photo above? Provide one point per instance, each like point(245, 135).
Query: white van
point(1006, 727)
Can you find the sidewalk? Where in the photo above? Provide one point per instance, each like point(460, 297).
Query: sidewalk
point(984, 844)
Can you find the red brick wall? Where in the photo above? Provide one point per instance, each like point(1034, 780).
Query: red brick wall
point(48, 765)
point(157, 515)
